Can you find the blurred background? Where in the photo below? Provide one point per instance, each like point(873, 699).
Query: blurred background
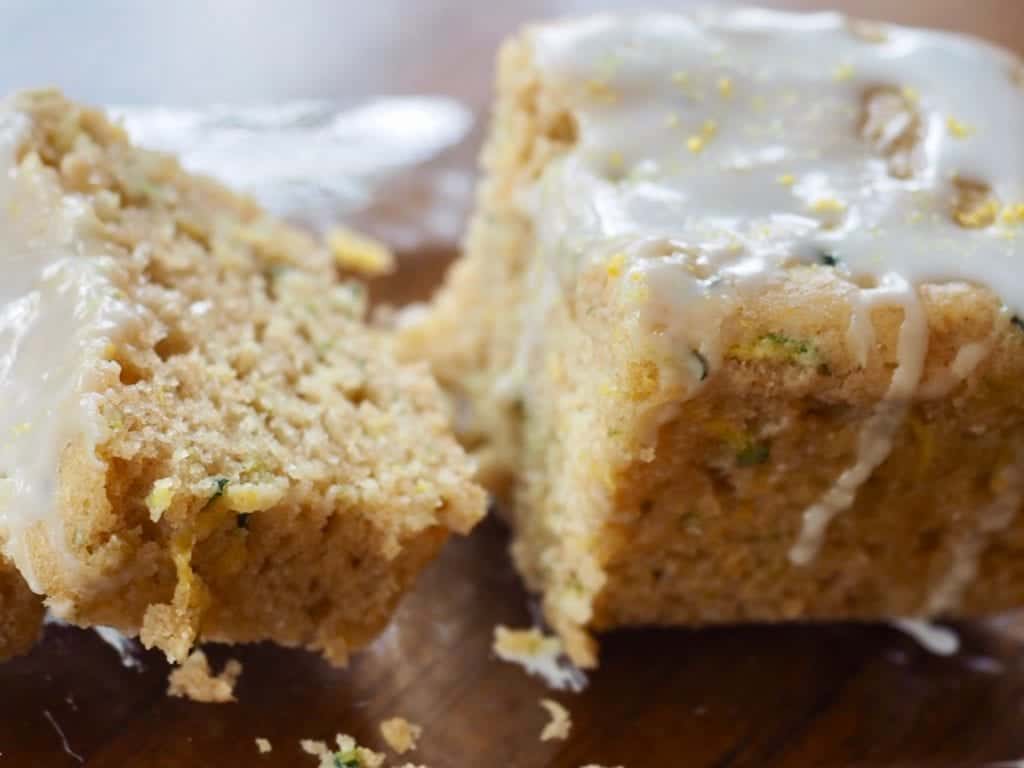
point(199, 52)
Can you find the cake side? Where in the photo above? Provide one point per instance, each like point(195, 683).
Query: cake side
point(248, 462)
point(698, 523)
point(470, 331)
point(754, 286)
point(21, 613)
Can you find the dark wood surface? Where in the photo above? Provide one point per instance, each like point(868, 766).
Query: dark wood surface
point(838, 695)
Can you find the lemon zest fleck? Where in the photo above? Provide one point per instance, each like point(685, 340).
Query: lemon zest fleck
point(843, 72)
point(615, 264)
point(958, 129)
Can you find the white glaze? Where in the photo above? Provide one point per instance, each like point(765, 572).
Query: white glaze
point(59, 314)
point(718, 148)
point(876, 436)
point(123, 646)
point(1008, 494)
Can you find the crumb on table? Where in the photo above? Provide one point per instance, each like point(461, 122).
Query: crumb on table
point(263, 745)
point(348, 754)
point(194, 680)
point(400, 734)
point(559, 725)
point(524, 646)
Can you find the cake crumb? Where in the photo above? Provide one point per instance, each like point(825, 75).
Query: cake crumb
point(264, 745)
point(400, 734)
point(358, 253)
point(348, 755)
point(559, 725)
point(520, 645)
point(539, 654)
point(194, 680)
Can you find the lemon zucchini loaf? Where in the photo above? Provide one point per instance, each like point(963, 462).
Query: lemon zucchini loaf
point(739, 309)
point(201, 439)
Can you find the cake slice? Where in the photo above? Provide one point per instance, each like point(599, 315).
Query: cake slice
point(201, 439)
point(739, 308)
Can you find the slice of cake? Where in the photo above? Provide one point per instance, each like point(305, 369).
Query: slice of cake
point(201, 439)
point(739, 307)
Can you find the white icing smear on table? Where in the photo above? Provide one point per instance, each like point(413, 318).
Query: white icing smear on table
point(718, 149)
point(540, 655)
point(123, 646)
point(315, 162)
point(934, 638)
point(59, 312)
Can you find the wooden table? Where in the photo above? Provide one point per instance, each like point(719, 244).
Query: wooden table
point(837, 695)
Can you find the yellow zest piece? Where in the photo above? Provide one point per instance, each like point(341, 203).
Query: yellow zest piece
point(615, 264)
point(23, 428)
point(910, 94)
point(958, 129)
point(787, 179)
point(359, 253)
point(1013, 214)
point(680, 78)
point(828, 205)
point(709, 129)
point(725, 87)
point(616, 161)
point(695, 144)
point(160, 497)
point(842, 73)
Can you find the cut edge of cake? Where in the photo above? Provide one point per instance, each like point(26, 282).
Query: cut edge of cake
point(239, 456)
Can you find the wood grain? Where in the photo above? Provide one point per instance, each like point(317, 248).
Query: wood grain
point(836, 695)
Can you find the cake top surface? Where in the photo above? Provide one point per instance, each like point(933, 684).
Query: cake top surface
point(748, 140)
